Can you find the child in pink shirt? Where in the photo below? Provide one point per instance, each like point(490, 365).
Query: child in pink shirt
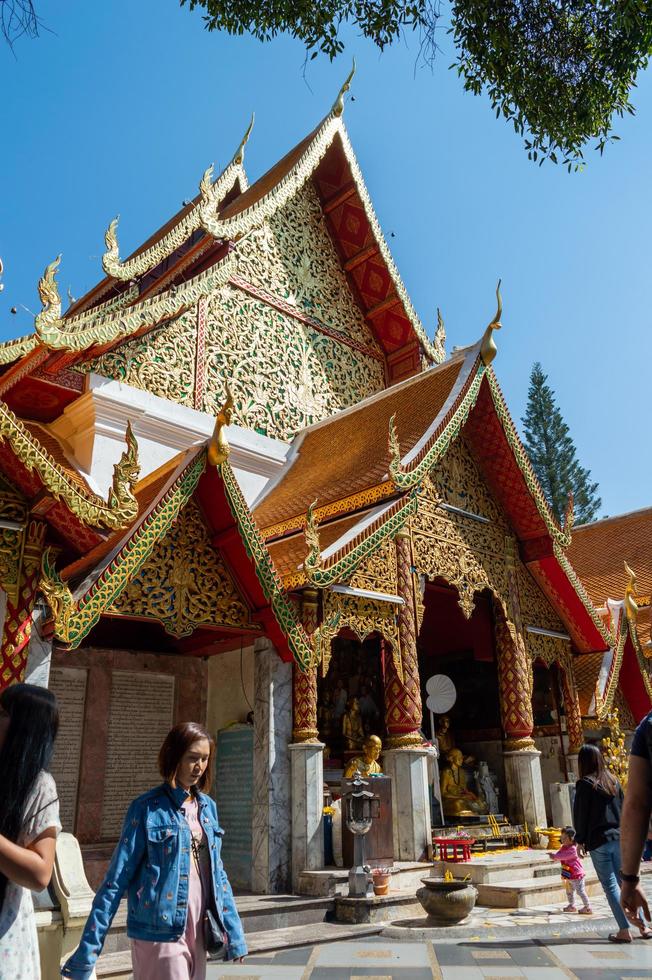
point(572, 872)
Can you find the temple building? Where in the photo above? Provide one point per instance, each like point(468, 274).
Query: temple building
point(238, 477)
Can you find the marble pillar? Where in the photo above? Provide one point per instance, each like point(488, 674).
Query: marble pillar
point(307, 769)
point(525, 789)
point(271, 819)
point(39, 652)
point(408, 768)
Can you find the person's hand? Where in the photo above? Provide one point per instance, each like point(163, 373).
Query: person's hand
point(551, 856)
point(581, 851)
point(633, 901)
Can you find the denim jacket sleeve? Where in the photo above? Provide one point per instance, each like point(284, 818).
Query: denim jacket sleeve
point(232, 923)
point(126, 858)
point(231, 918)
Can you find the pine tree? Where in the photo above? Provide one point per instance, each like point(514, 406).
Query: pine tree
point(552, 453)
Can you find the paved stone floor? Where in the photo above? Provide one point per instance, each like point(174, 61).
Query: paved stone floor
point(589, 957)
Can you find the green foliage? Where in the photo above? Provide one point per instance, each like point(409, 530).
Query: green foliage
point(559, 70)
point(552, 454)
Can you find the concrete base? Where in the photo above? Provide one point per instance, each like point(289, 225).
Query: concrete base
point(376, 908)
point(525, 789)
point(406, 876)
point(307, 778)
point(410, 802)
point(560, 805)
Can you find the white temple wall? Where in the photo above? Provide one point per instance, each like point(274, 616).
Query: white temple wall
point(229, 700)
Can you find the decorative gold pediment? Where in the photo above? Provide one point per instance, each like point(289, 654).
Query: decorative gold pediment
point(185, 583)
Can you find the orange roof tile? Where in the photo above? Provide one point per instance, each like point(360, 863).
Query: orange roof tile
point(598, 551)
point(349, 453)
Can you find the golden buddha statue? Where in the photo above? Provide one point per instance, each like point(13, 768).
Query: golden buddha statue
point(367, 763)
point(446, 739)
point(352, 728)
point(457, 798)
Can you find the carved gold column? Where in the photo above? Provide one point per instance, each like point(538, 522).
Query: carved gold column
point(514, 669)
point(18, 618)
point(304, 683)
point(403, 695)
point(573, 712)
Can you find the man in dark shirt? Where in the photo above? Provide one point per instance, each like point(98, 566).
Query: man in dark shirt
point(637, 809)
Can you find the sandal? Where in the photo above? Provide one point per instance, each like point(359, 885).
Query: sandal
point(613, 938)
point(645, 933)
point(569, 908)
point(587, 910)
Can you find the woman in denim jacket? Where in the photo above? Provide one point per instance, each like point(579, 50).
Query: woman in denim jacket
point(168, 861)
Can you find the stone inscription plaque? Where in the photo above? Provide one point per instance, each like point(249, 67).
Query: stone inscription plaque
point(69, 686)
point(234, 792)
point(142, 709)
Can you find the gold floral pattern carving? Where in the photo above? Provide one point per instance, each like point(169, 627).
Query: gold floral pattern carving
point(283, 374)
point(549, 650)
point(378, 571)
point(293, 256)
point(535, 608)
point(363, 617)
point(458, 483)
point(162, 362)
point(184, 584)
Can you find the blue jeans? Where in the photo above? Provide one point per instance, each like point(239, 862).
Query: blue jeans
point(606, 861)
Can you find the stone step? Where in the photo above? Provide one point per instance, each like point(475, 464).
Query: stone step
point(485, 869)
point(528, 893)
point(406, 876)
point(117, 965)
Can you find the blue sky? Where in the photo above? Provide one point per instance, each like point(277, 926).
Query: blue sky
point(122, 107)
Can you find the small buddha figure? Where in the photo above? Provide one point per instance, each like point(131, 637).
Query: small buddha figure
point(457, 798)
point(446, 739)
point(367, 764)
point(352, 728)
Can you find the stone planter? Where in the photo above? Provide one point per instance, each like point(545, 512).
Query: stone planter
point(446, 902)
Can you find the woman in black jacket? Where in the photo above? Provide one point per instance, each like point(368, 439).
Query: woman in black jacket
point(596, 815)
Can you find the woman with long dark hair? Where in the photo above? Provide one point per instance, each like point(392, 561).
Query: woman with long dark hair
point(596, 814)
point(29, 821)
point(168, 860)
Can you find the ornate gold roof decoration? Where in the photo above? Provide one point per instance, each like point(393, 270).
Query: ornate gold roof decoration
point(569, 516)
point(238, 156)
point(338, 105)
point(48, 291)
point(57, 595)
point(313, 559)
point(12, 350)
point(488, 349)
point(115, 514)
point(394, 448)
point(439, 342)
point(631, 593)
point(210, 196)
point(218, 448)
point(98, 326)
point(125, 477)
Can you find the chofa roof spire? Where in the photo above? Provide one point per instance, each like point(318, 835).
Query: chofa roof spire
point(488, 350)
point(338, 105)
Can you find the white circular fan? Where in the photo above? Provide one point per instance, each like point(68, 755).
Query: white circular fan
point(441, 694)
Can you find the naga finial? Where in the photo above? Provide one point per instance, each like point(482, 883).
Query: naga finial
point(111, 257)
point(631, 591)
point(313, 558)
point(569, 516)
point(206, 186)
point(47, 286)
point(125, 477)
point(57, 595)
point(71, 299)
point(440, 332)
point(218, 447)
point(338, 105)
point(238, 156)
point(488, 349)
point(394, 448)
